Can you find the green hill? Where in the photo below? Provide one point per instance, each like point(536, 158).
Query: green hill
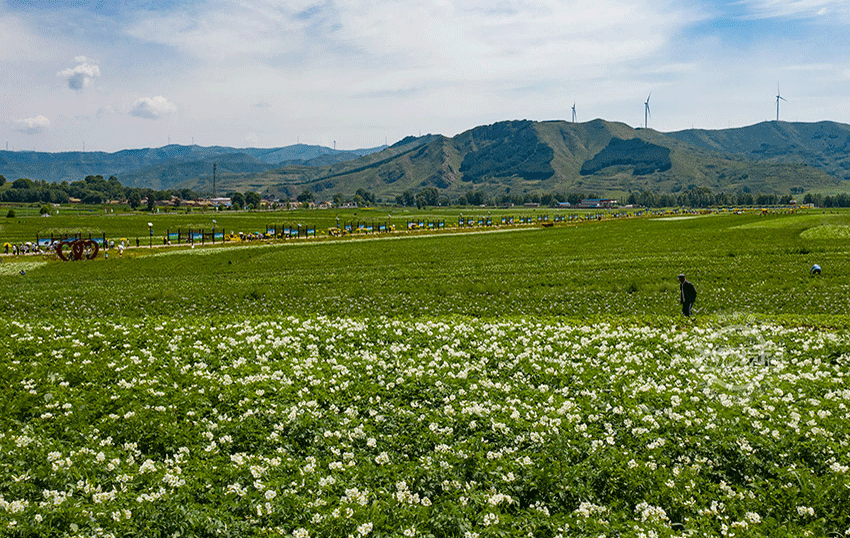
point(517, 157)
point(556, 156)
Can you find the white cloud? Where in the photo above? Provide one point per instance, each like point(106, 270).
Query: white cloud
point(456, 38)
point(82, 75)
point(32, 126)
point(152, 107)
point(796, 8)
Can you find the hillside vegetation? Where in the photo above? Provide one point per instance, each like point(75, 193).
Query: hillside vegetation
point(606, 158)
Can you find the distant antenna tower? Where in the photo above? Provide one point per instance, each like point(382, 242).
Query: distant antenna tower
point(778, 98)
point(646, 113)
point(334, 145)
point(574, 112)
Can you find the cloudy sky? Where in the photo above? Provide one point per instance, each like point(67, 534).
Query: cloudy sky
point(108, 75)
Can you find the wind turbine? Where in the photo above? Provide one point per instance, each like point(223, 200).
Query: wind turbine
point(646, 113)
point(574, 112)
point(778, 98)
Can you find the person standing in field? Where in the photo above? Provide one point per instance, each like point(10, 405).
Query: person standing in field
point(687, 295)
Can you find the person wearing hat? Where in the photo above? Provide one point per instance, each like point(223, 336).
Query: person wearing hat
point(687, 295)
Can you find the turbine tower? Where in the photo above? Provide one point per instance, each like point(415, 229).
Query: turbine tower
point(646, 113)
point(574, 112)
point(778, 98)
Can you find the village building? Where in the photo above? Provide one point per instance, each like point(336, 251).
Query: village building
point(597, 203)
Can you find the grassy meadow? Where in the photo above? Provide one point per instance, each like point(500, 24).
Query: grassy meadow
point(520, 381)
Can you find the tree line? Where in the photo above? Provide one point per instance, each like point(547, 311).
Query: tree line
point(97, 190)
point(91, 190)
point(692, 197)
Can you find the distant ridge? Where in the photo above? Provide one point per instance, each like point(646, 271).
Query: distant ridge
point(517, 156)
point(165, 167)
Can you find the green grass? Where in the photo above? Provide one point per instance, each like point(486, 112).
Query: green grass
point(124, 223)
point(513, 382)
point(739, 263)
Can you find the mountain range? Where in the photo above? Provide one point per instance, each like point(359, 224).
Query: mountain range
point(520, 156)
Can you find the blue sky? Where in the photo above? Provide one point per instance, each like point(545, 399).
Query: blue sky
point(117, 74)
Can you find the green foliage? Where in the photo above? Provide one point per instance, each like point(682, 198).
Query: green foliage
point(10, 214)
point(134, 199)
point(305, 196)
point(252, 200)
point(237, 200)
point(643, 157)
point(503, 150)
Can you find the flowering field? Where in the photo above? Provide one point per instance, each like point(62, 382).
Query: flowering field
point(335, 427)
point(424, 388)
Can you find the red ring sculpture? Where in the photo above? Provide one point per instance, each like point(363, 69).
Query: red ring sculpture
point(80, 248)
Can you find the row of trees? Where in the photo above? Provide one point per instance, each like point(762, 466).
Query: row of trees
point(91, 190)
point(838, 200)
point(692, 197)
point(703, 197)
point(97, 190)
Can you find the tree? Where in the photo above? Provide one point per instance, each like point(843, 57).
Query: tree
point(237, 200)
point(23, 183)
point(339, 199)
point(134, 199)
point(115, 189)
point(93, 197)
point(45, 210)
point(151, 202)
point(2, 180)
point(252, 200)
point(407, 199)
point(10, 214)
point(368, 197)
point(427, 197)
point(305, 196)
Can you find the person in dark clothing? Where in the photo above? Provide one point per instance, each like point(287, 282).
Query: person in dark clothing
point(687, 295)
